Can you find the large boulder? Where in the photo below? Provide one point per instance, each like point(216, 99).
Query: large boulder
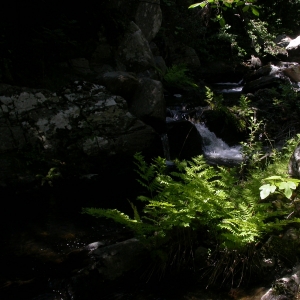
point(134, 51)
point(84, 122)
point(149, 17)
point(121, 83)
point(148, 103)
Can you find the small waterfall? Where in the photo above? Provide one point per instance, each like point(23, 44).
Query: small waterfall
point(215, 149)
point(229, 87)
point(166, 146)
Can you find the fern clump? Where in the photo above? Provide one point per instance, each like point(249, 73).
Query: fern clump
point(176, 77)
point(202, 198)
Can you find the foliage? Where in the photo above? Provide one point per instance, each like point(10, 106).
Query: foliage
point(223, 5)
point(285, 185)
point(200, 197)
point(51, 176)
point(238, 114)
point(176, 77)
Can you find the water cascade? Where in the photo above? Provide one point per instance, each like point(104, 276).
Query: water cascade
point(215, 149)
point(229, 87)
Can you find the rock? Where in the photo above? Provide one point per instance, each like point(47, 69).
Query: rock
point(255, 62)
point(134, 50)
point(154, 49)
point(115, 260)
point(148, 103)
point(80, 65)
point(121, 83)
point(284, 288)
point(282, 40)
point(271, 75)
point(294, 163)
point(263, 82)
point(83, 121)
point(149, 17)
point(293, 72)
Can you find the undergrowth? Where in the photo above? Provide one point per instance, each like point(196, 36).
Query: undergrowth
point(197, 204)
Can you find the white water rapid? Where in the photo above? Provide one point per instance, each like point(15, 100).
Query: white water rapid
point(215, 149)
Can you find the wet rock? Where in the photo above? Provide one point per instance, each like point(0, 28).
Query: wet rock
point(263, 82)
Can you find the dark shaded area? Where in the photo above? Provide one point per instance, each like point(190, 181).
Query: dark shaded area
point(37, 36)
point(184, 139)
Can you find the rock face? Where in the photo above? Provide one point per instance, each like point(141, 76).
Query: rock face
point(149, 17)
point(82, 120)
point(294, 163)
point(134, 50)
point(148, 103)
point(284, 288)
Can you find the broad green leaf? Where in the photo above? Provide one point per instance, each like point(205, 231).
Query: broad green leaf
point(266, 190)
point(222, 22)
point(245, 8)
point(294, 180)
point(288, 184)
point(239, 3)
point(228, 4)
point(274, 178)
point(287, 187)
point(254, 11)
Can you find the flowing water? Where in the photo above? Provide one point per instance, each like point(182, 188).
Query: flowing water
point(216, 150)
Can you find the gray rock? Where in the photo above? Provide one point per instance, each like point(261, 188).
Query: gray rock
point(148, 103)
point(121, 83)
point(149, 17)
point(284, 288)
point(282, 40)
point(115, 260)
point(294, 163)
point(134, 50)
point(84, 119)
point(293, 72)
